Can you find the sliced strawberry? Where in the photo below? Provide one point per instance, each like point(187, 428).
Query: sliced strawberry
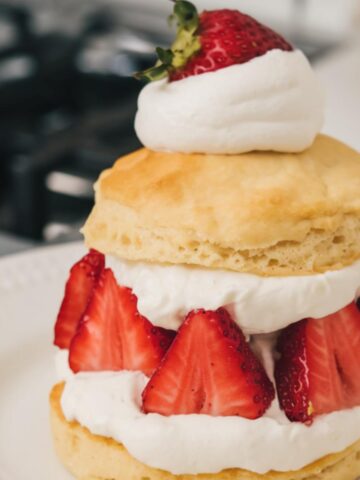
point(346, 337)
point(79, 287)
point(319, 368)
point(209, 369)
point(114, 336)
point(212, 40)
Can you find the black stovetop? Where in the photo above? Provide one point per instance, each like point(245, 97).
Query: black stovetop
point(67, 105)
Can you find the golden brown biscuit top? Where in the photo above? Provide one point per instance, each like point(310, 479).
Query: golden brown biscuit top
point(254, 199)
point(264, 213)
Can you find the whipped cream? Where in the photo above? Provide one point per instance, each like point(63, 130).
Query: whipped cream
point(273, 102)
point(108, 404)
point(166, 294)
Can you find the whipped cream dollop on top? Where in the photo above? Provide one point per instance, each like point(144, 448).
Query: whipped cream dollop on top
point(273, 102)
point(166, 294)
point(109, 404)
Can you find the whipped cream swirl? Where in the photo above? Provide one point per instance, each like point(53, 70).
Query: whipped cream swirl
point(274, 102)
point(109, 404)
point(166, 293)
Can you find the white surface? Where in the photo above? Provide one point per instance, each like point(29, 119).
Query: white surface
point(31, 286)
point(321, 16)
point(166, 294)
point(340, 76)
point(274, 102)
point(108, 403)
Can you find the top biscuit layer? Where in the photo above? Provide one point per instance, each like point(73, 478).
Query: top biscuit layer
point(263, 213)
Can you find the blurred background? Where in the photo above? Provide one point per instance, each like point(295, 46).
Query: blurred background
point(68, 99)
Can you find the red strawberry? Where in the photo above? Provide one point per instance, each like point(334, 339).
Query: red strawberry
point(212, 40)
point(83, 277)
point(319, 368)
point(346, 332)
point(113, 335)
point(209, 369)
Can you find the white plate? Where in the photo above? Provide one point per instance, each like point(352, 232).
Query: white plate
point(31, 287)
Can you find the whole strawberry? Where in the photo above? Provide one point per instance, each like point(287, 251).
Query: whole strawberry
point(210, 41)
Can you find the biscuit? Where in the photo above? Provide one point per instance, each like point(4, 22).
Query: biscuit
point(263, 213)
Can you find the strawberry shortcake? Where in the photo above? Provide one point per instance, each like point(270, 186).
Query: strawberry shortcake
point(212, 331)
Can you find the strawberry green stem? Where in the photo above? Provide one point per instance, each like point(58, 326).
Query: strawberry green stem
point(186, 43)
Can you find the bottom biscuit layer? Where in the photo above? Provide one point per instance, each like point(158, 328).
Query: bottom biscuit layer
point(92, 457)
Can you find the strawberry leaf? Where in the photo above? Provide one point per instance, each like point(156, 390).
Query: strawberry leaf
point(186, 44)
point(165, 56)
point(186, 15)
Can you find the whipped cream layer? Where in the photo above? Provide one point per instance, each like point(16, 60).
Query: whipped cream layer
point(108, 404)
point(273, 102)
point(166, 294)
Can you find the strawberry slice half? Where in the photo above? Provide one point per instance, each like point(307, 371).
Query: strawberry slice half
point(346, 334)
point(209, 369)
point(78, 290)
point(319, 368)
point(112, 334)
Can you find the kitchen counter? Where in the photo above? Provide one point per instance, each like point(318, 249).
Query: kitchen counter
point(11, 244)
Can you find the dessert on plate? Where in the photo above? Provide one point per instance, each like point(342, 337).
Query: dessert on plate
point(220, 337)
